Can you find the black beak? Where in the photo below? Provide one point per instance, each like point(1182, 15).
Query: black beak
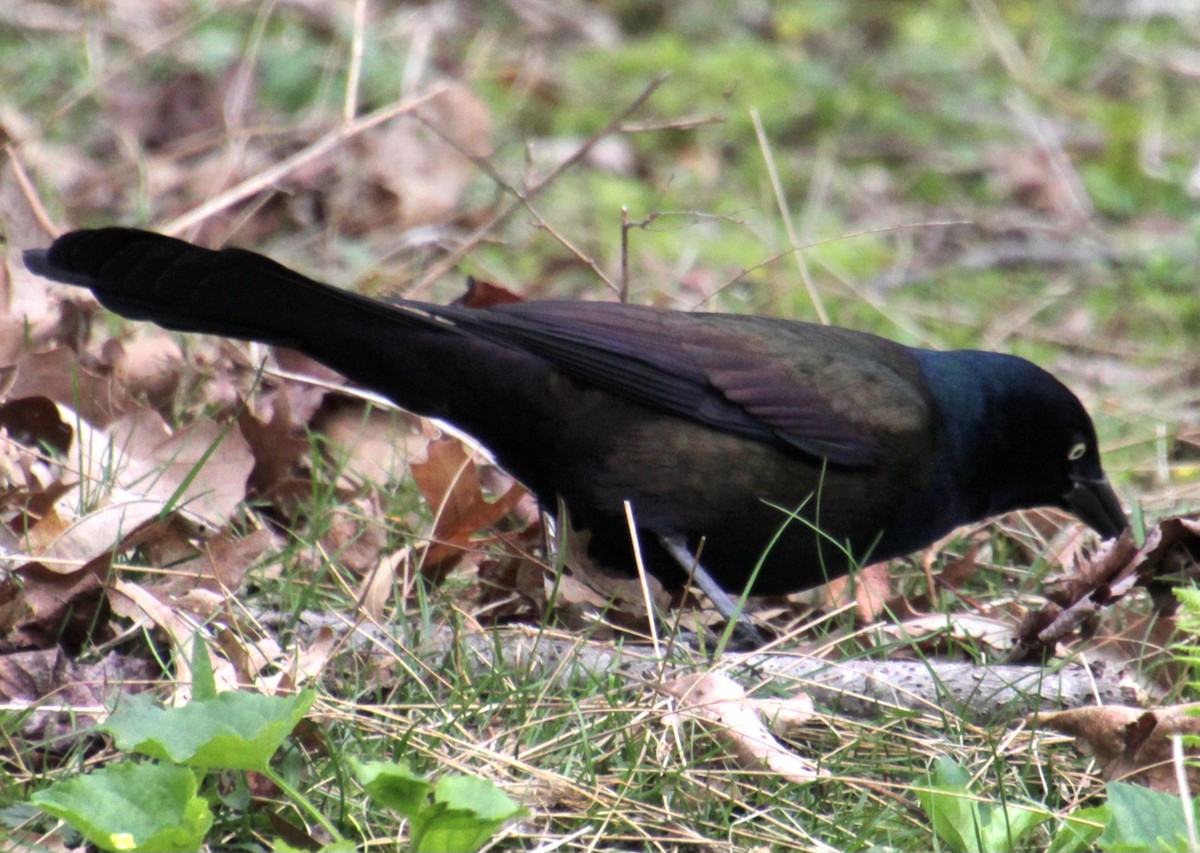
point(1095, 504)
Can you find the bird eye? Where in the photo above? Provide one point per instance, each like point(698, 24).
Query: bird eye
point(1077, 452)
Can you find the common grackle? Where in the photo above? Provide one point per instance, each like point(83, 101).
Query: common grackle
point(743, 438)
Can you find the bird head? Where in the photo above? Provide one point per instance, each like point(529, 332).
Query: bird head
point(1027, 441)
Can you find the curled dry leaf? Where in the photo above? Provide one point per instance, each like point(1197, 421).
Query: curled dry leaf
point(220, 566)
point(786, 716)
point(449, 481)
point(1170, 549)
point(144, 605)
point(357, 534)
point(1131, 744)
point(58, 375)
point(378, 584)
point(278, 447)
point(929, 633)
point(721, 704)
point(42, 609)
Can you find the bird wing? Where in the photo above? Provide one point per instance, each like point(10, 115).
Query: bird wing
point(770, 380)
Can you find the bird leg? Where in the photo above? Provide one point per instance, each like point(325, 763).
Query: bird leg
point(746, 634)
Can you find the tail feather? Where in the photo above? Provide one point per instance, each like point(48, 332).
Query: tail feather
point(228, 292)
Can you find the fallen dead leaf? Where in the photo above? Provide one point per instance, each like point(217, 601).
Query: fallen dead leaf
point(148, 367)
point(371, 444)
point(871, 588)
point(721, 705)
point(449, 481)
point(379, 584)
point(202, 469)
point(65, 698)
point(1132, 744)
point(40, 608)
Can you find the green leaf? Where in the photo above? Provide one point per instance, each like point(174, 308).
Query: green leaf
point(966, 824)
point(441, 829)
point(466, 813)
point(1079, 832)
point(235, 730)
point(1143, 820)
point(394, 786)
point(955, 815)
point(204, 680)
point(131, 807)
point(485, 798)
point(1005, 826)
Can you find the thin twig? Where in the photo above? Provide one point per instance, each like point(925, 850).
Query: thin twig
point(30, 192)
point(522, 199)
point(677, 124)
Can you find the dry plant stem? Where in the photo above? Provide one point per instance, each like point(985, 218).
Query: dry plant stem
point(624, 291)
point(354, 75)
point(781, 199)
point(27, 189)
point(646, 596)
point(522, 199)
point(863, 689)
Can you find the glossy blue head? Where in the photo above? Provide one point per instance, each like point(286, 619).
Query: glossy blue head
point(1018, 438)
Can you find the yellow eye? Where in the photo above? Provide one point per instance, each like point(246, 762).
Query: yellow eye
point(1077, 452)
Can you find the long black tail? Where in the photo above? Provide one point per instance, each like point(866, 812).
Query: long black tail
point(231, 292)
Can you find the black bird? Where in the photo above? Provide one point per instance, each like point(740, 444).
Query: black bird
point(810, 448)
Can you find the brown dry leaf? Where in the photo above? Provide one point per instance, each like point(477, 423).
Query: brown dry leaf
point(58, 375)
point(786, 716)
point(149, 461)
point(377, 586)
point(357, 534)
point(930, 632)
point(43, 608)
point(485, 294)
point(248, 655)
point(65, 544)
point(1170, 551)
point(278, 448)
point(307, 663)
point(513, 584)
point(373, 444)
point(411, 171)
point(449, 481)
point(35, 422)
point(221, 566)
point(721, 704)
point(70, 697)
point(141, 605)
point(872, 587)
point(311, 389)
point(1131, 744)
point(148, 367)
